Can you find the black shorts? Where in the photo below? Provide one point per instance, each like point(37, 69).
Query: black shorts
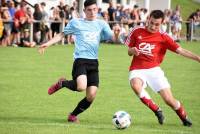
point(88, 67)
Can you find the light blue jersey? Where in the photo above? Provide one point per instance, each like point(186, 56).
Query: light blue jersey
point(88, 35)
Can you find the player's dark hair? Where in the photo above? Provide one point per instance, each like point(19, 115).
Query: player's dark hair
point(89, 2)
point(157, 14)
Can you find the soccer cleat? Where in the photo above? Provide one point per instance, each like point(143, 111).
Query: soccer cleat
point(55, 87)
point(72, 118)
point(187, 122)
point(160, 116)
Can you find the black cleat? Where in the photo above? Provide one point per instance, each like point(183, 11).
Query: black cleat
point(187, 122)
point(160, 116)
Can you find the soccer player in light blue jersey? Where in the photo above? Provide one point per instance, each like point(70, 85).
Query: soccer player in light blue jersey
point(88, 31)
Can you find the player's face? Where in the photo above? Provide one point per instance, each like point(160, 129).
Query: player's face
point(91, 12)
point(154, 24)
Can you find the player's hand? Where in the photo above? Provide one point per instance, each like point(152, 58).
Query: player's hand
point(198, 59)
point(42, 48)
point(135, 51)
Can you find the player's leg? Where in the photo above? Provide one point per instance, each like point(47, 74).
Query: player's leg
point(78, 83)
point(84, 104)
point(146, 99)
point(138, 85)
point(75, 85)
point(160, 84)
point(92, 86)
point(167, 96)
point(157, 81)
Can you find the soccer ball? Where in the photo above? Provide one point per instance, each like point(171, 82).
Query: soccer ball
point(121, 120)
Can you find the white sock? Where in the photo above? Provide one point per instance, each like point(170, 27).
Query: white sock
point(144, 93)
point(178, 105)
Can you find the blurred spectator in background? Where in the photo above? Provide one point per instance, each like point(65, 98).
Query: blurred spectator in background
point(165, 25)
point(135, 16)
point(29, 14)
point(11, 8)
point(111, 13)
point(25, 41)
point(116, 30)
point(193, 19)
point(75, 5)
point(100, 13)
point(66, 13)
point(118, 13)
point(176, 21)
point(20, 22)
point(56, 18)
point(105, 16)
point(120, 33)
point(143, 14)
point(45, 25)
point(73, 14)
point(126, 19)
point(1, 30)
point(7, 26)
point(37, 25)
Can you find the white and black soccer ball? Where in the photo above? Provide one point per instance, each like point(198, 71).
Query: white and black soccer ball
point(121, 120)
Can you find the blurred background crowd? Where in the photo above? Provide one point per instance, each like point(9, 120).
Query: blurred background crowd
point(23, 24)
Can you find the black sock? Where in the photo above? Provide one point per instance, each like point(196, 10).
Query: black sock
point(82, 106)
point(71, 84)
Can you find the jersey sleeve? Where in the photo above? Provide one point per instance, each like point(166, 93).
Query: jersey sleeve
point(69, 29)
point(170, 43)
point(130, 39)
point(106, 32)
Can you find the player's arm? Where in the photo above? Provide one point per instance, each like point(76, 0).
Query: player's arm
point(188, 54)
point(54, 40)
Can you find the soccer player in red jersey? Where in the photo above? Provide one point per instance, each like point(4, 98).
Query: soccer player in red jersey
point(148, 46)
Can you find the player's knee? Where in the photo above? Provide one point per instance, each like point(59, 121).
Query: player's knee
point(91, 97)
point(136, 88)
point(136, 85)
point(81, 88)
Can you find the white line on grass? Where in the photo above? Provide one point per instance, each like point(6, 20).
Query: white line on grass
point(89, 126)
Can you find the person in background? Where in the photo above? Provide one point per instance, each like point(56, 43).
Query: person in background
point(176, 20)
point(192, 19)
point(1, 30)
point(7, 26)
point(25, 41)
point(20, 23)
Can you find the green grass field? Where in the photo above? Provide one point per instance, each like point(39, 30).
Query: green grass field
point(26, 108)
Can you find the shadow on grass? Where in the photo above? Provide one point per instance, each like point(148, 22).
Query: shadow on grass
point(32, 120)
point(38, 121)
point(92, 124)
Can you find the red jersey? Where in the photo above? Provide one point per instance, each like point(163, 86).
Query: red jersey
point(20, 14)
point(152, 47)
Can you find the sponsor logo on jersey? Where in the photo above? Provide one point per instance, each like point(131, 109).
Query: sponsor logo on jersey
point(91, 36)
point(146, 48)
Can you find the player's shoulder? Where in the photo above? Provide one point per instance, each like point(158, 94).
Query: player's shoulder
point(136, 29)
point(75, 20)
point(165, 35)
point(101, 21)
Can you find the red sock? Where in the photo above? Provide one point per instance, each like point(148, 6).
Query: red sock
point(149, 103)
point(181, 113)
